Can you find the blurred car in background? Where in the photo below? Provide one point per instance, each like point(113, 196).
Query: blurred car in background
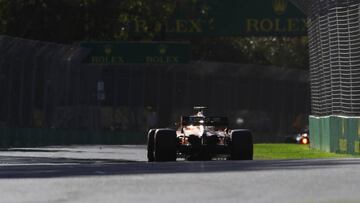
point(299, 138)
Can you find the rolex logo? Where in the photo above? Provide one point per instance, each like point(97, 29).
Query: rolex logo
point(108, 50)
point(279, 6)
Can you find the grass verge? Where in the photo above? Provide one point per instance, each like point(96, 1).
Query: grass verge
point(293, 151)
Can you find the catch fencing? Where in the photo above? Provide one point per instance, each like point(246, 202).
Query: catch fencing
point(334, 39)
point(50, 96)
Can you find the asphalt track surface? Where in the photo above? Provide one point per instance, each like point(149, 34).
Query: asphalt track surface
point(121, 174)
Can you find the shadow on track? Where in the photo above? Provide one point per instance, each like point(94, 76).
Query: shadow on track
point(75, 168)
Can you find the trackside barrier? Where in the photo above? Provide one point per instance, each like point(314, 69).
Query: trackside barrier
point(47, 137)
point(335, 134)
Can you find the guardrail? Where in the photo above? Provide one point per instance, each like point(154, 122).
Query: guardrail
point(47, 137)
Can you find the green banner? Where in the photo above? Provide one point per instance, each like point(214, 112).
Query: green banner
point(228, 18)
point(137, 52)
point(335, 134)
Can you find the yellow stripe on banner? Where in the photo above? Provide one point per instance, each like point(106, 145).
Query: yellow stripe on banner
point(358, 126)
point(357, 147)
point(343, 145)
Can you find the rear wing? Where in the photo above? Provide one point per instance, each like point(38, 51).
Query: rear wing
point(207, 121)
point(217, 121)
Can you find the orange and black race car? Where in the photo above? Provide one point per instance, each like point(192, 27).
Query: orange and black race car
point(299, 138)
point(200, 137)
point(303, 137)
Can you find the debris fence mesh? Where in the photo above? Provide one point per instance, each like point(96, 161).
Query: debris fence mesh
point(334, 40)
point(48, 86)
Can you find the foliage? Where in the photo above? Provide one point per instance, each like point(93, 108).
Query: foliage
point(68, 21)
point(279, 51)
point(71, 21)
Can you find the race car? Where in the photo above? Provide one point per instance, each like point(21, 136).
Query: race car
point(303, 137)
point(299, 138)
point(200, 137)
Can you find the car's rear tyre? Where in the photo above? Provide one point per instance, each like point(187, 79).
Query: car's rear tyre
point(165, 145)
point(150, 145)
point(241, 147)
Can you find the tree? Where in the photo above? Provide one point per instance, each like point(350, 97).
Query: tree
point(279, 51)
point(71, 21)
